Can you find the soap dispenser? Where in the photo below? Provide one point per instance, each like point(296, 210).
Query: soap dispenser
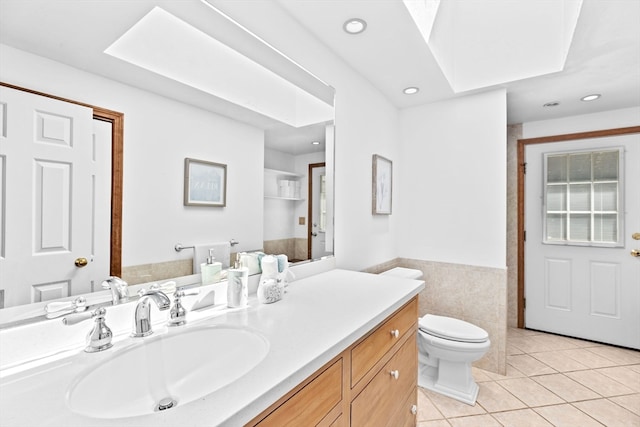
point(210, 270)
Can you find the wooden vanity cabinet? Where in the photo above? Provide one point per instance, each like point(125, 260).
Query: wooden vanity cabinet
point(371, 383)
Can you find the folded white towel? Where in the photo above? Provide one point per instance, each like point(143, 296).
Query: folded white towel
point(251, 260)
point(269, 265)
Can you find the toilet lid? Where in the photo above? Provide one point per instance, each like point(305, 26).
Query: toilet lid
point(452, 329)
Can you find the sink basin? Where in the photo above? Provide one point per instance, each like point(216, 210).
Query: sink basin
point(165, 371)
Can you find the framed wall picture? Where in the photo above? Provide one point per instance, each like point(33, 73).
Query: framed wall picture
point(205, 183)
point(382, 183)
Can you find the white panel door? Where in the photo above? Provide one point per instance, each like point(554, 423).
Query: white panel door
point(578, 281)
point(49, 155)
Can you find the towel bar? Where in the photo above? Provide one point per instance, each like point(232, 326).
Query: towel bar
point(178, 247)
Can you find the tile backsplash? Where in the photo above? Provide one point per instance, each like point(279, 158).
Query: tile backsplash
point(144, 273)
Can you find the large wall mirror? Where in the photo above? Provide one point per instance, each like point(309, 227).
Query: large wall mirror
point(274, 131)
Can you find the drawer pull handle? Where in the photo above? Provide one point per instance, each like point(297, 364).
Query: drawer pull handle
point(395, 374)
point(395, 333)
point(414, 409)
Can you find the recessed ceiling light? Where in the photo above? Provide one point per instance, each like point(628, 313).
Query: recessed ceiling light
point(551, 104)
point(315, 142)
point(592, 97)
point(355, 25)
point(411, 90)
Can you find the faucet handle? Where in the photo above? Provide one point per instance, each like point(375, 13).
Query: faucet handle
point(100, 336)
point(178, 314)
point(181, 293)
point(166, 287)
point(73, 319)
point(57, 309)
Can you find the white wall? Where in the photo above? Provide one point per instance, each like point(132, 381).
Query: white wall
point(583, 123)
point(452, 181)
point(158, 134)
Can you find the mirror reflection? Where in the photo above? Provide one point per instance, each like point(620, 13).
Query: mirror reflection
point(280, 168)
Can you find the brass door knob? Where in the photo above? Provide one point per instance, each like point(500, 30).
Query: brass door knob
point(635, 236)
point(635, 252)
point(81, 262)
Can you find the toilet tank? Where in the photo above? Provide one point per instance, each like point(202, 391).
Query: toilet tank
point(405, 273)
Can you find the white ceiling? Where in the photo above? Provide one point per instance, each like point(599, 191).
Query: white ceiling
point(604, 55)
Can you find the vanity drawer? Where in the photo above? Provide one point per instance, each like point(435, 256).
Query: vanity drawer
point(382, 400)
point(309, 405)
point(369, 351)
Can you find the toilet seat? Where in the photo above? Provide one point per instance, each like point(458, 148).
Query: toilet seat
point(452, 329)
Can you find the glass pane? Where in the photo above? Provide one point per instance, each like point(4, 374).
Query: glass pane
point(605, 197)
point(580, 197)
point(556, 228)
point(557, 168)
point(579, 227)
point(580, 167)
point(605, 166)
point(605, 228)
point(556, 197)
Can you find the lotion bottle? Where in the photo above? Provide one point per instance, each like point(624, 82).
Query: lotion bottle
point(210, 270)
point(238, 284)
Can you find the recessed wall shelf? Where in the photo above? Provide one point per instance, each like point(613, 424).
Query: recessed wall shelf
point(282, 185)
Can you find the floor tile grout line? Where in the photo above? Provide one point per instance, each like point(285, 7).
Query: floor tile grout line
point(619, 405)
point(588, 415)
point(567, 403)
point(605, 397)
point(614, 379)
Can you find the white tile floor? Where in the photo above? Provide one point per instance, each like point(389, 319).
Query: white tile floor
point(551, 381)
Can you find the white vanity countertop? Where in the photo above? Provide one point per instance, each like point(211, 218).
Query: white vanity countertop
point(318, 318)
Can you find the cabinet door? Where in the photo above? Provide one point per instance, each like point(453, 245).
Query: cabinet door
point(310, 404)
point(380, 401)
point(406, 416)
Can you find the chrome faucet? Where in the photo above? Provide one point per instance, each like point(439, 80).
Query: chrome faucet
point(99, 338)
point(142, 316)
point(119, 289)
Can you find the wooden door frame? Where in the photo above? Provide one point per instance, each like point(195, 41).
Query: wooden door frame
point(310, 204)
point(522, 143)
point(117, 150)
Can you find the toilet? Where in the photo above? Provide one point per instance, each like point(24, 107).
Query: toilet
point(446, 349)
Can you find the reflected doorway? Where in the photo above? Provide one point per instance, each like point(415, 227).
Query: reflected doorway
point(316, 229)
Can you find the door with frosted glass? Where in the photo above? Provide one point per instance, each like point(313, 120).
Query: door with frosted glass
point(582, 216)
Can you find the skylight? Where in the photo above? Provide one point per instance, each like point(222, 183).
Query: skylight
point(168, 46)
point(485, 43)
